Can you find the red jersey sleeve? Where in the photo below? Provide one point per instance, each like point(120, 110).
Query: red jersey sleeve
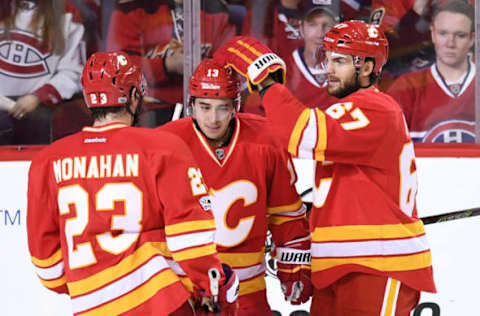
point(351, 130)
point(286, 212)
point(127, 32)
point(43, 228)
point(189, 222)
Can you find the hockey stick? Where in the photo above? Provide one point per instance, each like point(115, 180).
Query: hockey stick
point(450, 216)
point(177, 111)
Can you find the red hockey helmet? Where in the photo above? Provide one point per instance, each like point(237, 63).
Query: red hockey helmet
point(358, 39)
point(210, 80)
point(108, 78)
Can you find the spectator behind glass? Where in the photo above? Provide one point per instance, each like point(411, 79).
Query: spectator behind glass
point(305, 69)
point(280, 29)
point(405, 23)
point(151, 32)
point(40, 67)
point(438, 101)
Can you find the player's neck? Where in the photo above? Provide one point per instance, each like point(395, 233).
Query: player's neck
point(452, 73)
point(114, 118)
point(225, 139)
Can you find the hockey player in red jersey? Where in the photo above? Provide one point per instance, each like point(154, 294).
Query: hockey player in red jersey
point(109, 206)
point(252, 189)
point(369, 251)
point(151, 32)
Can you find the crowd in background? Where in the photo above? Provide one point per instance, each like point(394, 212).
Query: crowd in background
point(44, 46)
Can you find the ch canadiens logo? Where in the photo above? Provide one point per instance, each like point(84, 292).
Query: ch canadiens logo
point(23, 55)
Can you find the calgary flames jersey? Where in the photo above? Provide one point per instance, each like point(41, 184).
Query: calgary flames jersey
point(435, 110)
point(364, 217)
point(142, 27)
point(103, 205)
point(252, 188)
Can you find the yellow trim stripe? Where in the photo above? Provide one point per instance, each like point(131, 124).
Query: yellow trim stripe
point(187, 227)
point(242, 259)
point(128, 264)
point(187, 283)
point(296, 134)
point(392, 294)
point(194, 252)
point(365, 232)
point(278, 220)
point(136, 297)
point(394, 263)
point(103, 128)
point(240, 54)
point(51, 284)
point(285, 208)
point(295, 269)
point(254, 285)
point(50, 261)
point(250, 48)
point(319, 152)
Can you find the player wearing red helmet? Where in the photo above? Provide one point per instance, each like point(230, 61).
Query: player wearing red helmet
point(247, 198)
point(113, 209)
point(370, 255)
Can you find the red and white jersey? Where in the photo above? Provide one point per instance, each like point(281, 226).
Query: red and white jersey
point(139, 28)
point(309, 89)
point(364, 217)
point(252, 188)
point(107, 208)
point(28, 67)
point(437, 111)
point(283, 33)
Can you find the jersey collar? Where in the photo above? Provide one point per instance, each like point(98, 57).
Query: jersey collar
point(104, 128)
point(211, 151)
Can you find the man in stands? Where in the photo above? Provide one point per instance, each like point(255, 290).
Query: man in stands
point(369, 251)
point(251, 182)
point(108, 205)
point(438, 101)
point(306, 72)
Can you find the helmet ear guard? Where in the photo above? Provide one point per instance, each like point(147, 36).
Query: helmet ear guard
point(108, 79)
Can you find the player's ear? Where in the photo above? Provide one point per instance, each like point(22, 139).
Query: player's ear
point(367, 68)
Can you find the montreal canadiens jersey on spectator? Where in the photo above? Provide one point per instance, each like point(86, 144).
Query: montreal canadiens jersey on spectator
point(26, 66)
point(309, 88)
point(434, 110)
point(252, 189)
point(107, 209)
point(364, 217)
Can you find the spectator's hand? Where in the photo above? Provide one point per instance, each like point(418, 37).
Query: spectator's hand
point(252, 59)
point(172, 54)
point(420, 6)
point(293, 262)
point(174, 58)
point(24, 105)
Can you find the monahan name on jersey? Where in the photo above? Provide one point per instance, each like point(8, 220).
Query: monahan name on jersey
point(101, 166)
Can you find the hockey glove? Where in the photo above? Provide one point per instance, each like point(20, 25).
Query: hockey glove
point(224, 298)
point(293, 262)
point(252, 59)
